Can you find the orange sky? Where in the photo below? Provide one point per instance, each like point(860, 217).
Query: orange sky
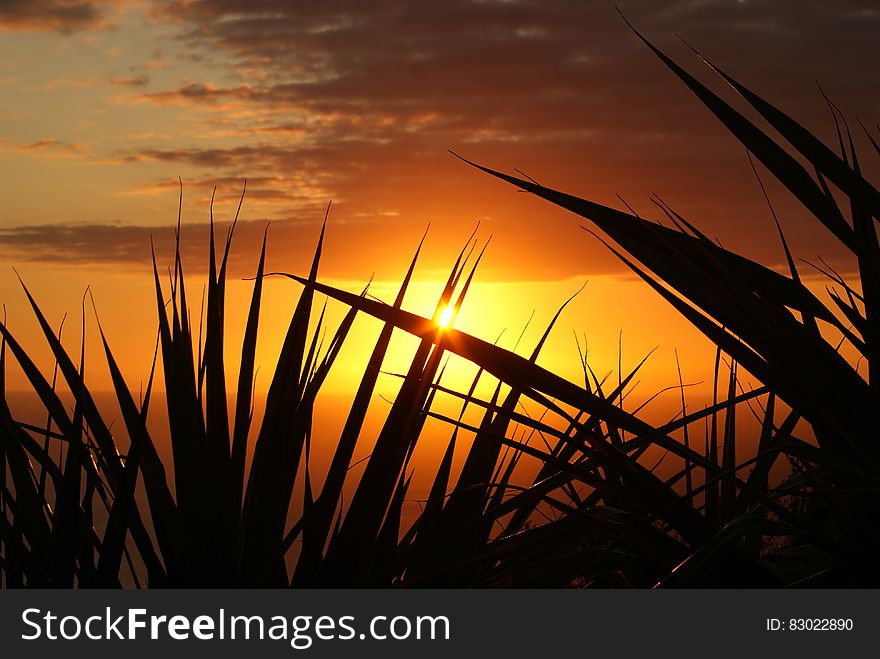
point(104, 104)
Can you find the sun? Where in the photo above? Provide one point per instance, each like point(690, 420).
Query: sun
point(447, 316)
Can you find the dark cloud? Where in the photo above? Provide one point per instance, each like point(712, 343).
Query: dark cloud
point(60, 15)
point(141, 80)
point(290, 247)
point(123, 246)
point(272, 188)
point(547, 85)
point(358, 101)
point(509, 62)
point(51, 146)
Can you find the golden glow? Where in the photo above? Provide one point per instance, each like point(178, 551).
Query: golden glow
point(447, 316)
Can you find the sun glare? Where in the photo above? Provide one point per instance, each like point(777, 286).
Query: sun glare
point(446, 317)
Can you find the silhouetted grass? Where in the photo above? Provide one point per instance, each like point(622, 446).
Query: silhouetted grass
point(223, 524)
point(779, 331)
point(595, 509)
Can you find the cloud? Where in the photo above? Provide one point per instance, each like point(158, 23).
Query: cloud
point(118, 244)
point(141, 80)
point(43, 15)
point(497, 73)
point(357, 102)
point(290, 247)
point(396, 54)
point(51, 147)
point(374, 92)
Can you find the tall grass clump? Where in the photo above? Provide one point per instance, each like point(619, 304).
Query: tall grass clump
point(777, 329)
point(558, 483)
point(78, 521)
point(590, 511)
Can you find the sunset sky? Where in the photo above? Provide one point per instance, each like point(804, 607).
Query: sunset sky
point(104, 104)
